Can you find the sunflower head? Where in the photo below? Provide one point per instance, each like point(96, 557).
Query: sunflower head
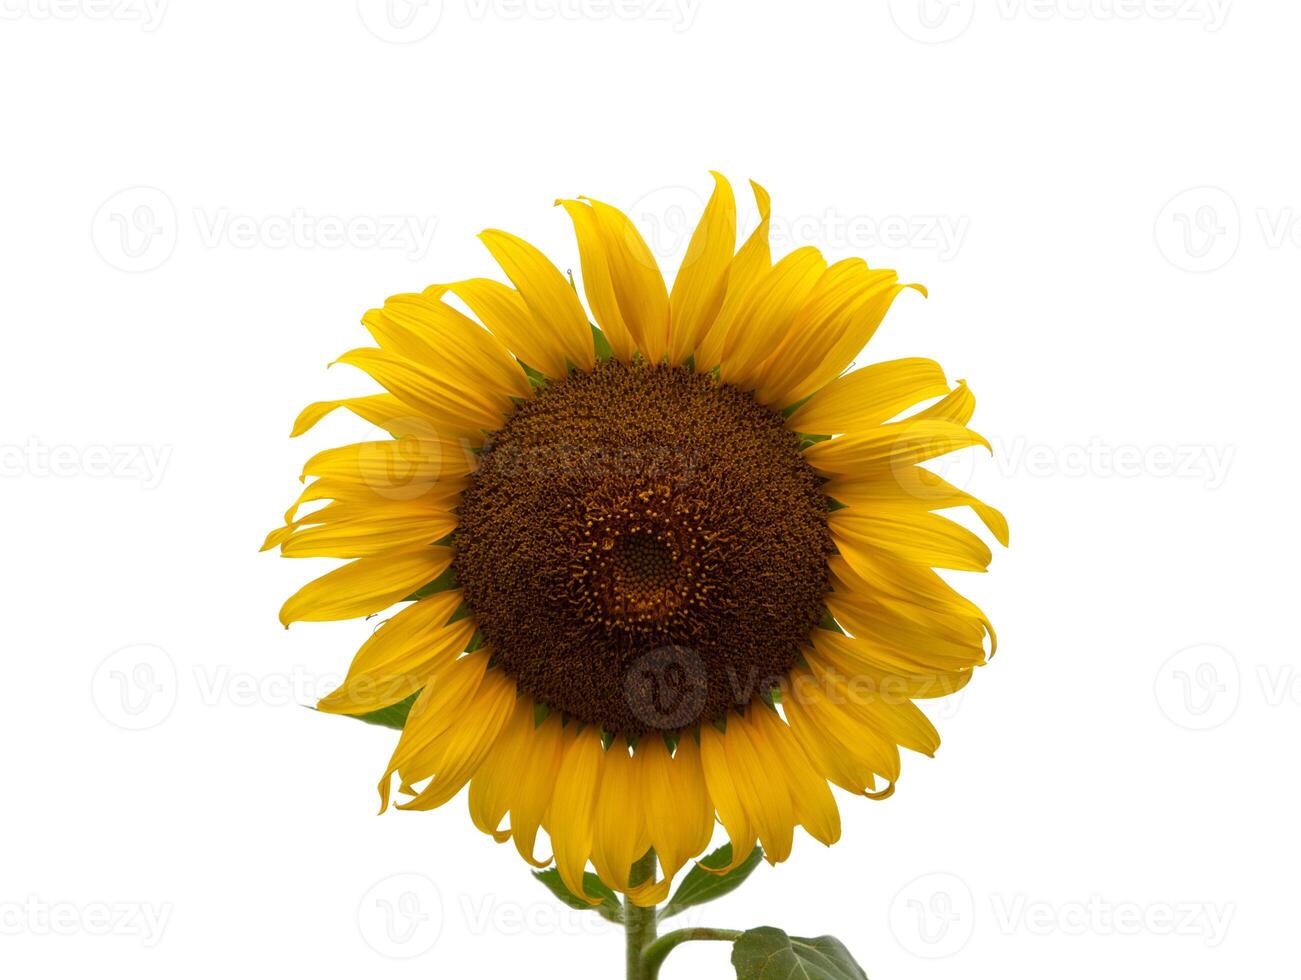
point(659, 564)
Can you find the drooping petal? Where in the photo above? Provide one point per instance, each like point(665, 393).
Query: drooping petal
point(456, 754)
point(815, 807)
point(921, 539)
point(573, 808)
point(721, 783)
point(679, 813)
point(402, 655)
point(871, 395)
point(364, 586)
point(895, 444)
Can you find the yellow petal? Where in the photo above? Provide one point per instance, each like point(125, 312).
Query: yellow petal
point(441, 702)
point(493, 786)
point(766, 316)
point(637, 281)
point(958, 406)
point(453, 405)
point(504, 312)
point(536, 781)
point(463, 747)
point(912, 486)
point(618, 829)
point(402, 655)
point(424, 329)
point(869, 396)
point(766, 799)
point(721, 782)
point(364, 586)
point(750, 263)
point(815, 807)
point(854, 330)
point(847, 750)
point(922, 539)
point(701, 282)
point(573, 805)
point(385, 411)
point(370, 536)
point(597, 284)
point(895, 444)
point(820, 322)
point(547, 294)
point(679, 813)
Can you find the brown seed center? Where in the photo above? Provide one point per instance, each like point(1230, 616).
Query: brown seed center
point(643, 547)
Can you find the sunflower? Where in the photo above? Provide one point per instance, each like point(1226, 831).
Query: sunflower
point(671, 568)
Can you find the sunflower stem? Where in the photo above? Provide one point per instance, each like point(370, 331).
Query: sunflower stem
point(638, 922)
point(654, 954)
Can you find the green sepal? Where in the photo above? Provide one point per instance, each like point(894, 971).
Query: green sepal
point(446, 580)
point(602, 344)
point(608, 908)
point(393, 716)
point(828, 622)
point(700, 886)
point(769, 954)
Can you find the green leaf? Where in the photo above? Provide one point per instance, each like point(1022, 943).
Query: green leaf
point(394, 716)
point(609, 908)
point(769, 954)
point(700, 886)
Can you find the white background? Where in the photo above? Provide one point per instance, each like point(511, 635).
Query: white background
point(1102, 197)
